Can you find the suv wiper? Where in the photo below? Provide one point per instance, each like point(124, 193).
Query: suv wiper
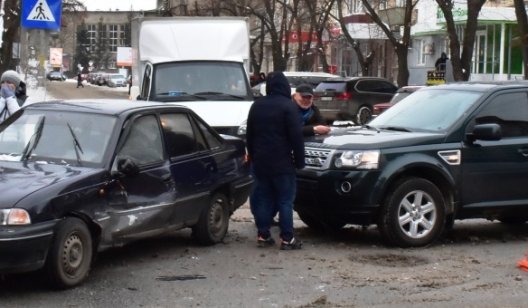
point(395, 128)
point(34, 140)
point(76, 144)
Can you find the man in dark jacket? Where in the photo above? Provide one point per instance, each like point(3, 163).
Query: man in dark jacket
point(276, 148)
point(313, 121)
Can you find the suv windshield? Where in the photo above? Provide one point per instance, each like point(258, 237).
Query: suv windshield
point(429, 109)
point(62, 138)
point(200, 80)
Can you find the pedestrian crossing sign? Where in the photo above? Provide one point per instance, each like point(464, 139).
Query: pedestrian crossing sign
point(43, 14)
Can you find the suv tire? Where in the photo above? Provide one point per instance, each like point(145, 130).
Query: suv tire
point(363, 115)
point(413, 213)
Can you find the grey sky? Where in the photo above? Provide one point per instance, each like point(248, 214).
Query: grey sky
point(122, 5)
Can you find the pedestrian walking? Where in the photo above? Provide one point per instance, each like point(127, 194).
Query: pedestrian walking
point(276, 149)
point(79, 80)
point(312, 120)
point(9, 81)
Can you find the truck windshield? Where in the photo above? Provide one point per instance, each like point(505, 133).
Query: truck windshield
point(200, 80)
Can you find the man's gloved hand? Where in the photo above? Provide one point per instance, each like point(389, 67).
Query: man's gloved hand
point(7, 91)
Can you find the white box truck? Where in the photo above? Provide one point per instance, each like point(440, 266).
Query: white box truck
point(198, 62)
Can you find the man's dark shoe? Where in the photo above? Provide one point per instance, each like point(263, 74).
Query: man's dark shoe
point(291, 245)
point(265, 242)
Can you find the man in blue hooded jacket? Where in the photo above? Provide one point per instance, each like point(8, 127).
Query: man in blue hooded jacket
point(276, 148)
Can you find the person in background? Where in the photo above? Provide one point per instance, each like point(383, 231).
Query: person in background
point(79, 80)
point(313, 121)
point(276, 148)
point(9, 81)
point(440, 63)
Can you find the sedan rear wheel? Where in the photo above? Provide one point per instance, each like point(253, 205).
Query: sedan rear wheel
point(214, 221)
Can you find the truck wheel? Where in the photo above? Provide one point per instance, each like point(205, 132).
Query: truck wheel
point(214, 221)
point(320, 223)
point(413, 213)
point(70, 254)
point(364, 115)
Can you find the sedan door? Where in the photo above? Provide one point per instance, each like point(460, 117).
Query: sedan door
point(142, 201)
point(192, 165)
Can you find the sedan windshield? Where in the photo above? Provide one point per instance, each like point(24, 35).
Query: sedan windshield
point(52, 137)
point(428, 110)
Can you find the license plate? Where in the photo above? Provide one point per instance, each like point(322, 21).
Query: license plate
point(326, 98)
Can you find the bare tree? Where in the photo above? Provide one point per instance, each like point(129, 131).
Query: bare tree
point(401, 45)
point(522, 21)
point(461, 61)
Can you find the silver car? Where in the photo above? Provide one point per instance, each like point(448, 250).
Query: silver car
point(116, 80)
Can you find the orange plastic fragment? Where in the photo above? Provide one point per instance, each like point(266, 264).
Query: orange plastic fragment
point(523, 264)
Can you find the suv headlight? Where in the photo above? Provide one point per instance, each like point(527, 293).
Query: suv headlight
point(14, 217)
point(358, 159)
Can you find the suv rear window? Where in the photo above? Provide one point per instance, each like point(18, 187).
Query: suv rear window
point(375, 86)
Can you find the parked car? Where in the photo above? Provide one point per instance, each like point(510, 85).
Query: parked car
point(297, 78)
point(82, 176)
point(101, 79)
point(352, 98)
point(402, 93)
point(116, 80)
point(56, 75)
point(446, 152)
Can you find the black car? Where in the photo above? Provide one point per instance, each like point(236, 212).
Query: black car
point(79, 177)
point(56, 75)
point(352, 98)
point(446, 152)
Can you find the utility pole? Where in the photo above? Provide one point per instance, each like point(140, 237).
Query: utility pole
point(2, 13)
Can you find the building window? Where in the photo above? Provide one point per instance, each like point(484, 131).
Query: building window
point(92, 36)
point(421, 52)
point(116, 36)
point(355, 6)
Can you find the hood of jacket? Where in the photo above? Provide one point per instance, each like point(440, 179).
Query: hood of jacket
point(277, 84)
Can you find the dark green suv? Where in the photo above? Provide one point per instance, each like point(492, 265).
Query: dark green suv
point(446, 152)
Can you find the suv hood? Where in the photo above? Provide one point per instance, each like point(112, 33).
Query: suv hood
point(372, 139)
point(20, 179)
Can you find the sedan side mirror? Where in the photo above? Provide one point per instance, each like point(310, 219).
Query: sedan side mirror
point(127, 166)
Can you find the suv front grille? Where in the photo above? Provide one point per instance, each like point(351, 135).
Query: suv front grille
point(317, 158)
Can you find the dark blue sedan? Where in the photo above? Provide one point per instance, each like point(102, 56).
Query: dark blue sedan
point(78, 177)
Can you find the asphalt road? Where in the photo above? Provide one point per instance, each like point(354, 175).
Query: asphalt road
point(68, 90)
point(472, 266)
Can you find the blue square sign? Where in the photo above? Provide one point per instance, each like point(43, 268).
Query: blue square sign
point(43, 14)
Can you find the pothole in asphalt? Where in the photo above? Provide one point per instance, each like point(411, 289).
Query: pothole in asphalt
point(389, 260)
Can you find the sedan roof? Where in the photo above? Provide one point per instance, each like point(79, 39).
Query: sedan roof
point(102, 106)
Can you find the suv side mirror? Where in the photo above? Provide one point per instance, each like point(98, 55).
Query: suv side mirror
point(489, 131)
